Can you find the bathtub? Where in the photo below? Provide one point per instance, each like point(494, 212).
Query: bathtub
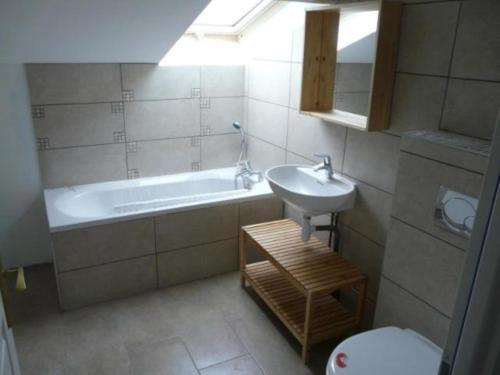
point(101, 203)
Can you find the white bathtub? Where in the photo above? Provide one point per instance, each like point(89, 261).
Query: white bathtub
point(87, 205)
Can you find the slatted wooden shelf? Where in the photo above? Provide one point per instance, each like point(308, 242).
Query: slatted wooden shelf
point(297, 280)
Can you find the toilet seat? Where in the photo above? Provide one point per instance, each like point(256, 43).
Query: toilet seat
point(385, 351)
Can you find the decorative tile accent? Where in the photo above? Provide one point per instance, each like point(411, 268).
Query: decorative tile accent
point(133, 173)
point(195, 166)
point(117, 107)
point(195, 92)
point(131, 147)
point(205, 130)
point(43, 144)
point(119, 137)
point(195, 141)
point(37, 111)
point(128, 95)
point(205, 103)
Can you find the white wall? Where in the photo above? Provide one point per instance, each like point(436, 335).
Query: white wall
point(24, 233)
point(93, 30)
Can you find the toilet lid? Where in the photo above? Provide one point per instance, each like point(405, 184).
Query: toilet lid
point(386, 351)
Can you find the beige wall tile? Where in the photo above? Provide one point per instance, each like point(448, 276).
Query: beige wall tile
point(222, 113)
point(428, 268)
point(74, 83)
point(78, 125)
point(184, 229)
point(477, 48)
point(81, 248)
point(267, 121)
point(264, 155)
point(417, 189)
point(396, 307)
point(372, 158)
point(269, 81)
point(371, 213)
point(156, 158)
point(82, 165)
point(102, 283)
point(426, 39)
point(353, 102)
point(365, 254)
point(197, 262)
point(353, 77)
point(220, 151)
point(295, 86)
point(471, 107)
point(221, 81)
point(308, 135)
point(162, 119)
point(417, 103)
point(150, 81)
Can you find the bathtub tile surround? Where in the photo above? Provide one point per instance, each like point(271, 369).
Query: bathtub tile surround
point(436, 76)
point(104, 262)
point(80, 111)
point(423, 262)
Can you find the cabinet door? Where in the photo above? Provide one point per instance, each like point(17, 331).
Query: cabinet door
point(9, 364)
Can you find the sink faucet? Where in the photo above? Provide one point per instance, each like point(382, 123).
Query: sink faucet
point(326, 165)
point(245, 172)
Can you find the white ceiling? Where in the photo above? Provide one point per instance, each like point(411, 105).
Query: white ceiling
point(92, 30)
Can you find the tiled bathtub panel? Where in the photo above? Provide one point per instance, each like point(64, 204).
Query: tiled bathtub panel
point(197, 262)
point(74, 83)
point(150, 81)
point(417, 188)
point(78, 124)
point(260, 211)
point(81, 248)
point(82, 165)
point(106, 282)
point(156, 158)
point(162, 119)
point(184, 229)
point(221, 114)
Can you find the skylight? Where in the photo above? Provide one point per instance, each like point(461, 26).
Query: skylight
point(228, 16)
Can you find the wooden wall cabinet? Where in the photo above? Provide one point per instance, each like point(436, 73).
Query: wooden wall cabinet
point(321, 55)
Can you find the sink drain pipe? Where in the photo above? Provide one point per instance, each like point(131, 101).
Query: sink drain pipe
point(334, 236)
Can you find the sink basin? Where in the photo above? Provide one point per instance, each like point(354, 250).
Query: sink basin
point(311, 192)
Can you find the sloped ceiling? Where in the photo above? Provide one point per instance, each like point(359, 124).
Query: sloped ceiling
point(92, 30)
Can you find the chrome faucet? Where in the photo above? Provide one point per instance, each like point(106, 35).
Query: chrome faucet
point(326, 165)
point(245, 172)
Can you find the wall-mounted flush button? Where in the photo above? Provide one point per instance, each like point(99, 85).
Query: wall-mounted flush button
point(455, 211)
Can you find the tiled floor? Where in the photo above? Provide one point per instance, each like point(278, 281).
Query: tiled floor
point(206, 327)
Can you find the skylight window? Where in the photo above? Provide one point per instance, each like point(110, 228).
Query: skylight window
point(228, 16)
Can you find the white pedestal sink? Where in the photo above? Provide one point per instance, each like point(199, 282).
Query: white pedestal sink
point(311, 192)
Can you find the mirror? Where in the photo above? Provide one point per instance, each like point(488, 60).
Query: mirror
point(356, 45)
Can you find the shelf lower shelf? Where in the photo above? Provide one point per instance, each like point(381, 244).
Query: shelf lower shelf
point(331, 318)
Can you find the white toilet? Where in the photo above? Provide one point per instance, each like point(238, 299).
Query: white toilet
point(385, 351)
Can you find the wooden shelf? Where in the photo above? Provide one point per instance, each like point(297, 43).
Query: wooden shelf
point(297, 280)
point(335, 116)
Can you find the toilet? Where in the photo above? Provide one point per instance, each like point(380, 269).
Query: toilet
point(385, 351)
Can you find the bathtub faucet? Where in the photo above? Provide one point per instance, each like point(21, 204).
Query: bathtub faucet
point(245, 171)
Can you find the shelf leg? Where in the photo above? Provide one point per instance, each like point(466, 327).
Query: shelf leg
point(243, 257)
point(307, 328)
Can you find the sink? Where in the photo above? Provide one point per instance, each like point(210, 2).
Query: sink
point(309, 191)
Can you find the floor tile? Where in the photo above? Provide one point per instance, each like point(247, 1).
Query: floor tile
point(239, 366)
point(166, 357)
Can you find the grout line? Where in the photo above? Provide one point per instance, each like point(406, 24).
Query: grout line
point(190, 355)
point(197, 244)
point(442, 162)
point(156, 254)
point(415, 296)
point(450, 64)
point(430, 2)
point(268, 102)
point(365, 236)
point(344, 151)
point(199, 121)
point(124, 123)
point(427, 233)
